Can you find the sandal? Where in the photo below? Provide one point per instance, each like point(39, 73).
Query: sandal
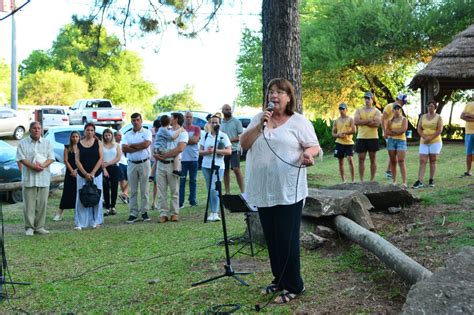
point(113, 211)
point(106, 212)
point(269, 289)
point(286, 297)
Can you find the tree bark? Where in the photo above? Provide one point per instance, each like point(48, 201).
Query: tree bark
point(281, 46)
point(407, 268)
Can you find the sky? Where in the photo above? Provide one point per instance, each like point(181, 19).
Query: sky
point(208, 62)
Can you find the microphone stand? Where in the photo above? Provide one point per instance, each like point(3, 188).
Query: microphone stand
point(228, 270)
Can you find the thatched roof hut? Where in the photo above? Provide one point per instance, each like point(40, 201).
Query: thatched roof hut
point(452, 68)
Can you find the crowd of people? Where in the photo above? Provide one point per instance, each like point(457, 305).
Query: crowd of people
point(275, 181)
point(394, 125)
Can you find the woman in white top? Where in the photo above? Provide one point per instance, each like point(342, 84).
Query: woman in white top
point(206, 149)
point(112, 155)
point(279, 142)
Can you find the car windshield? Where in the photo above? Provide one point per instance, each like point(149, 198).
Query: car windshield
point(7, 152)
point(63, 136)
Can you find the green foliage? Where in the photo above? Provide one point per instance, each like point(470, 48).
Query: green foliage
point(38, 60)
point(52, 87)
point(182, 100)
point(249, 69)
point(5, 82)
point(452, 132)
point(84, 49)
point(323, 130)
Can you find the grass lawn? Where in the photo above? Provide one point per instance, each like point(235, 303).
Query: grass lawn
point(149, 267)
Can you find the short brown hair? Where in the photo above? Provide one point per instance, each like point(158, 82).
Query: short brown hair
point(285, 85)
point(164, 120)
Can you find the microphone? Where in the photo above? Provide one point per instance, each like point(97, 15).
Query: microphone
point(270, 108)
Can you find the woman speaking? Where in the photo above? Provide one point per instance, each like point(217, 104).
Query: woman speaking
point(280, 144)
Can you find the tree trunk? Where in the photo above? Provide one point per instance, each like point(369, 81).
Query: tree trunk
point(407, 268)
point(281, 46)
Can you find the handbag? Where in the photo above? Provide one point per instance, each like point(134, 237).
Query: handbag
point(89, 194)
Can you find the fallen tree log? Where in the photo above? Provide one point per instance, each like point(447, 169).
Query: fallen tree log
point(19, 185)
point(408, 269)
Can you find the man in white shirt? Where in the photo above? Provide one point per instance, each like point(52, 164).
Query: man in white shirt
point(165, 177)
point(136, 146)
point(36, 154)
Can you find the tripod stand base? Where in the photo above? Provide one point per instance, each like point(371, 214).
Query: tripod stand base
point(229, 272)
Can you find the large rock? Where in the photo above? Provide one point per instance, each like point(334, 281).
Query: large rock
point(381, 196)
point(351, 203)
point(450, 291)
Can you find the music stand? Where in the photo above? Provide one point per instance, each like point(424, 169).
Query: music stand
point(238, 204)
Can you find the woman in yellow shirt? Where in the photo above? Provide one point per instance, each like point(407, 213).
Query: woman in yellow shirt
point(397, 144)
point(429, 128)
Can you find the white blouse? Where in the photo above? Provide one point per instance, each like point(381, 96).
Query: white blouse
point(270, 181)
point(110, 153)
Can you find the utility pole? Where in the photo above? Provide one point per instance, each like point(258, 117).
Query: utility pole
point(14, 86)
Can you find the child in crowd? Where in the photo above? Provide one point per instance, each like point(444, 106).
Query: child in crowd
point(163, 137)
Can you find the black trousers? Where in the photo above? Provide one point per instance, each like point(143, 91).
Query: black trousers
point(111, 186)
point(281, 227)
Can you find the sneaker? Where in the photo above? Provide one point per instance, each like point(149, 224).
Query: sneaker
point(106, 212)
point(123, 198)
point(29, 232)
point(466, 174)
point(145, 217)
point(417, 184)
point(174, 218)
point(193, 205)
point(388, 174)
point(42, 231)
point(77, 228)
point(181, 207)
point(431, 183)
point(210, 218)
point(131, 219)
point(177, 173)
point(57, 217)
point(216, 217)
point(163, 219)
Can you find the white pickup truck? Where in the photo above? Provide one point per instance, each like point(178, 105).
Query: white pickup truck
point(99, 111)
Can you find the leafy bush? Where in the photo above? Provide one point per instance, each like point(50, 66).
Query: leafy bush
point(323, 130)
point(452, 132)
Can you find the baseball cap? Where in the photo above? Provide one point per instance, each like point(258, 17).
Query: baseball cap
point(343, 106)
point(368, 94)
point(402, 97)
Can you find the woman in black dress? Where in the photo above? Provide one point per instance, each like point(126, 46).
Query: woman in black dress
point(68, 199)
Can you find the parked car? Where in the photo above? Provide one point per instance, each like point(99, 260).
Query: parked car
point(13, 123)
point(244, 119)
point(146, 124)
point(52, 116)
point(59, 136)
point(100, 111)
point(199, 117)
point(10, 172)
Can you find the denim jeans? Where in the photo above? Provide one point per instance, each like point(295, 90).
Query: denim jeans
point(214, 197)
point(192, 168)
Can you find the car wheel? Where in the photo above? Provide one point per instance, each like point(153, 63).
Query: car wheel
point(15, 196)
point(19, 133)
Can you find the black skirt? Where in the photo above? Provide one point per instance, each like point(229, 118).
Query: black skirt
point(68, 199)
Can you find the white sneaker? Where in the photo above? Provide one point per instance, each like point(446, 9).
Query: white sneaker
point(29, 232)
point(57, 217)
point(210, 218)
point(77, 228)
point(42, 231)
point(216, 217)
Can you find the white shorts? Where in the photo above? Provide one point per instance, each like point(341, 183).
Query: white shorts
point(434, 148)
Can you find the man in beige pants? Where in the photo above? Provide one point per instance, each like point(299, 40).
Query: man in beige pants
point(36, 154)
point(136, 146)
point(165, 177)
